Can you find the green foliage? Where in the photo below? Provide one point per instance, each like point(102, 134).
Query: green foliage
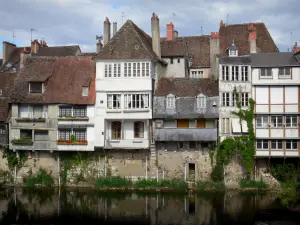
point(286, 173)
point(217, 173)
point(287, 196)
point(6, 177)
point(113, 182)
point(42, 178)
point(146, 183)
point(253, 184)
point(209, 185)
point(73, 138)
point(13, 160)
point(174, 183)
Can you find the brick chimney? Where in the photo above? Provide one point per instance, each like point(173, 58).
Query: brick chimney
point(106, 31)
point(35, 45)
point(222, 23)
point(175, 34)
point(7, 49)
point(155, 35)
point(23, 56)
point(252, 38)
point(170, 31)
point(296, 48)
point(114, 28)
point(214, 54)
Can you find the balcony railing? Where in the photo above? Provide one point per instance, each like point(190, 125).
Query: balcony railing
point(188, 134)
point(127, 144)
point(31, 119)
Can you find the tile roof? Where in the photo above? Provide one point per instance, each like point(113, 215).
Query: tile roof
point(63, 78)
point(275, 59)
point(240, 34)
point(240, 60)
point(6, 83)
point(187, 87)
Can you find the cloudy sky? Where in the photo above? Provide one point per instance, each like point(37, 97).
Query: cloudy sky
point(67, 22)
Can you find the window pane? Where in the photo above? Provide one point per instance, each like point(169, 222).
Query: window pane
point(259, 144)
point(40, 135)
point(80, 111)
point(294, 145)
point(288, 144)
point(265, 144)
point(279, 144)
point(274, 144)
point(80, 135)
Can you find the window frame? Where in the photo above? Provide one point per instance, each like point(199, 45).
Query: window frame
point(114, 103)
point(261, 118)
point(282, 72)
point(225, 73)
point(291, 124)
point(31, 84)
point(276, 124)
point(225, 125)
point(263, 75)
point(293, 143)
point(72, 109)
point(226, 99)
point(2, 131)
point(234, 73)
point(116, 130)
point(245, 99)
point(262, 142)
point(137, 101)
point(201, 101)
point(278, 144)
point(139, 129)
point(64, 134)
point(245, 73)
point(170, 101)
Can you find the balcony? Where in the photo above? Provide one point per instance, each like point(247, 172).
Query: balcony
point(277, 153)
point(75, 146)
point(188, 134)
point(27, 144)
point(127, 144)
point(73, 118)
point(32, 120)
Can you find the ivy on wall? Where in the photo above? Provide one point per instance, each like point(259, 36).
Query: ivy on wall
point(14, 160)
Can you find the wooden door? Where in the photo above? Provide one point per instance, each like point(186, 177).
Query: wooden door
point(201, 123)
point(182, 123)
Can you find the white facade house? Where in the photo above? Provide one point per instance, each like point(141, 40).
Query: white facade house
point(275, 87)
point(234, 75)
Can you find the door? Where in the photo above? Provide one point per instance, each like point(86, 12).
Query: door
point(201, 123)
point(182, 123)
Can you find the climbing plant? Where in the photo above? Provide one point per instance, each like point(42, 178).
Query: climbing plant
point(14, 160)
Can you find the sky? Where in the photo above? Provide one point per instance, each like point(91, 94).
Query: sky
point(70, 22)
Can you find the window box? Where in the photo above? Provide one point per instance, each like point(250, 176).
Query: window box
point(70, 142)
point(85, 118)
point(31, 119)
point(22, 142)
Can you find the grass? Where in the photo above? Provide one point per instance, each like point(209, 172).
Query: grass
point(210, 185)
point(113, 182)
point(42, 178)
point(253, 184)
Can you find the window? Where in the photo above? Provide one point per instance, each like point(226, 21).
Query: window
point(80, 134)
point(41, 135)
point(291, 121)
point(196, 74)
point(234, 99)
point(266, 72)
point(201, 101)
point(85, 91)
point(225, 99)
point(119, 70)
point(65, 111)
point(26, 134)
point(115, 70)
point(116, 130)
point(64, 134)
point(79, 111)
point(138, 70)
point(262, 121)
point(125, 69)
point(2, 131)
point(138, 129)
point(276, 144)
point(225, 125)
point(37, 111)
point(170, 101)
point(178, 60)
point(0, 92)
point(235, 73)
point(129, 69)
point(106, 70)
point(232, 52)
point(225, 72)
point(276, 121)
point(114, 101)
point(36, 87)
point(134, 70)
point(171, 61)
point(136, 101)
point(291, 145)
point(32, 111)
point(262, 144)
point(245, 99)
point(244, 73)
point(284, 72)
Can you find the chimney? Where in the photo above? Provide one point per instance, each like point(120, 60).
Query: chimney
point(23, 56)
point(214, 53)
point(99, 46)
point(175, 34)
point(155, 35)
point(106, 31)
point(222, 23)
point(170, 31)
point(114, 28)
point(252, 38)
point(7, 49)
point(35, 45)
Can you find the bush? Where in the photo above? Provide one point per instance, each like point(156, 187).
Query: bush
point(174, 183)
point(146, 183)
point(209, 185)
point(284, 172)
point(253, 184)
point(113, 182)
point(217, 174)
point(42, 178)
point(287, 197)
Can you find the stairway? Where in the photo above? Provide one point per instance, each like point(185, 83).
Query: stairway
point(153, 158)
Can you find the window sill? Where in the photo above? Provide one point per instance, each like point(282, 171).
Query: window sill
point(72, 143)
point(137, 141)
point(74, 118)
point(265, 77)
point(136, 110)
point(113, 110)
point(21, 142)
point(114, 141)
point(289, 77)
point(31, 119)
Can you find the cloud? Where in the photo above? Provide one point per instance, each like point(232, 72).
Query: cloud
point(61, 22)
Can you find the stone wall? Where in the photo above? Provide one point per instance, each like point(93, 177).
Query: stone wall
point(233, 173)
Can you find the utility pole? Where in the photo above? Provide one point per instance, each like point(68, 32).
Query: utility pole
point(227, 19)
point(31, 30)
point(13, 36)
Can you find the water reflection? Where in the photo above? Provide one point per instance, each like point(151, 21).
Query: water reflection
point(49, 206)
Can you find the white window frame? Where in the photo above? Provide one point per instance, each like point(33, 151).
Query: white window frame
point(278, 144)
point(30, 110)
point(226, 99)
point(277, 123)
point(293, 121)
point(111, 98)
point(72, 109)
point(245, 73)
point(245, 99)
point(85, 91)
point(197, 74)
point(225, 73)
point(143, 100)
point(262, 121)
point(263, 73)
point(293, 143)
point(235, 73)
point(201, 101)
point(262, 142)
point(233, 53)
point(285, 72)
point(170, 101)
point(225, 125)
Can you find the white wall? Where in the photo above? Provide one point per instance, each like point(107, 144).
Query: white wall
point(176, 69)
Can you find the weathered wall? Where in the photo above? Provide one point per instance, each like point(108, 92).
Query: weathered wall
point(233, 173)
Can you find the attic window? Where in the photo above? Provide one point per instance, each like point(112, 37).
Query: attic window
point(85, 91)
point(170, 101)
point(233, 53)
point(36, 87)
point(0, 92)
point(201, 101)
point(171, 61)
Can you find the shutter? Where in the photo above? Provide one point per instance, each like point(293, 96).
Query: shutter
point(182, 123)
point(201, 123)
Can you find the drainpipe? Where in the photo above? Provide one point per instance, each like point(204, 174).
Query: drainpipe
point(163, 176)
point(146, 167)
point(156, 174)
point(58, 169)
point(185, 172)
point(105, 166)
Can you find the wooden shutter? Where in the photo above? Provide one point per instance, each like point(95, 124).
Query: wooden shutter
point(201, 123)
point(182, 123)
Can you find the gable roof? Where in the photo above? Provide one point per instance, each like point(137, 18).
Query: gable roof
point(187, 87)
point(6, 83)
point(240, 34)
point(63, 79)
point(275, 59)
point(130, 42)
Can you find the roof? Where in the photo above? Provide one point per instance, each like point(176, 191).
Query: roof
point(6, 83)
point(239, 60)
point(63, 79)
point(187, 87)
point(240, 34)
point(276, 59)
point(130, 42)
point(233, 47)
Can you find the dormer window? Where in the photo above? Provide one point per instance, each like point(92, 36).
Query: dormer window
point(233, 50)
point(201, 101)
point(36, 87)
point(85, 91)
point(170, 101)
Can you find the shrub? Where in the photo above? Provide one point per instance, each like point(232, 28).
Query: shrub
point(174, 183)
point(113, 182)
point(42, 178)
point(209, 185)
point(284, 172)
point(287, 197)
point(217, 174)
point(253, 184)
point(145, 183)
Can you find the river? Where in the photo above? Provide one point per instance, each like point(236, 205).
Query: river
point(84, 206)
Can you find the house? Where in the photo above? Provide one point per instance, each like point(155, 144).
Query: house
point(53, 105)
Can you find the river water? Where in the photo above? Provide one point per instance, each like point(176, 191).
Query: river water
point(83, 206)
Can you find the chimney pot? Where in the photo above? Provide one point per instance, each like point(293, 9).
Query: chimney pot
point(221, 23)
point(106, 31)
point(175, 34)
point(170, 31)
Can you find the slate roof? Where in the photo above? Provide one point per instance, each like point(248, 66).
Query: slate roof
point(6, 83)
point(276, 59)
point(187, 87)
point(240, 60)
point(240, 34)
point(63, 78)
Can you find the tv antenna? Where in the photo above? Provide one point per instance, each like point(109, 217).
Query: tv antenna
point(123, 15)
point(227, 18)
point(99, 38)
point(13, 36)
point(31, 30)
point(201, 31)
